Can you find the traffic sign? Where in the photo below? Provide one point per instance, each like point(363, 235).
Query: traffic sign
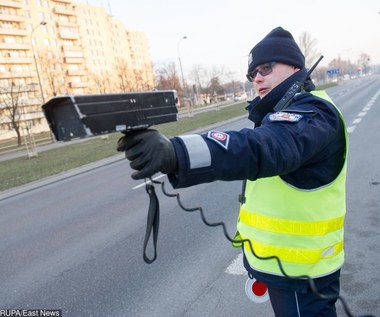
point(331, 72)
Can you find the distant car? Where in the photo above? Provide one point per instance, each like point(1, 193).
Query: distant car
point(241, 97)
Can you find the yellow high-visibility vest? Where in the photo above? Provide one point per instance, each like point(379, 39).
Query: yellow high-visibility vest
point(304, 228)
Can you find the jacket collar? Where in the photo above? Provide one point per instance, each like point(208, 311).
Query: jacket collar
point(258, 108)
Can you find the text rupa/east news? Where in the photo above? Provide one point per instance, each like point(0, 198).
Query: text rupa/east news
point(30, 313)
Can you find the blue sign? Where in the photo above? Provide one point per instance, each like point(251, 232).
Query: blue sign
point(331, 72)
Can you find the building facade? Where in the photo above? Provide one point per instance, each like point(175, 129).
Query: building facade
point(58, 47)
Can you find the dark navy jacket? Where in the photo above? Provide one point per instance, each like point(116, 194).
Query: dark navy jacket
point(306, 150)
point(304, 144)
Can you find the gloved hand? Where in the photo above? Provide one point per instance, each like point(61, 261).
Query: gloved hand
point(149, 152)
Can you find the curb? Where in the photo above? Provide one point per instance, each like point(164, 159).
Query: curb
point(15, 191)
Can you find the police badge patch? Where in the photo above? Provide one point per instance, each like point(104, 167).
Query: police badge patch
point(220, 138)
point(285, 116)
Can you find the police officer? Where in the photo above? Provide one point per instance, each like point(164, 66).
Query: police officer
point(293, 163)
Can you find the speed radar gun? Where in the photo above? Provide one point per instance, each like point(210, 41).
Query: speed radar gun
point(79, 116)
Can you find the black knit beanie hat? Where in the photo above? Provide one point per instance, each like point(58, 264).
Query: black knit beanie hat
point(277, 46)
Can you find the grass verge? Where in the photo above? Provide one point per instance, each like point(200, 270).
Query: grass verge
point(23, 170)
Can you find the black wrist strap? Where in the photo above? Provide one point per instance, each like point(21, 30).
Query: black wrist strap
point(153, 221)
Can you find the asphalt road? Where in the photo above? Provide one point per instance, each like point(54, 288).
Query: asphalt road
point(74, 242)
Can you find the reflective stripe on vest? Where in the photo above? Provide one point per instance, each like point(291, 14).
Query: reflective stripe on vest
point(296, 255)
point(316, 228)
point(304, 228)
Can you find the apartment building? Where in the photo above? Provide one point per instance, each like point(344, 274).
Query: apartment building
point(57, 47)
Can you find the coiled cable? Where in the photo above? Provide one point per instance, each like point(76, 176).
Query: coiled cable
point(153, 223)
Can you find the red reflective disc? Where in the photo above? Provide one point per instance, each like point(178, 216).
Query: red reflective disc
point(258, 288)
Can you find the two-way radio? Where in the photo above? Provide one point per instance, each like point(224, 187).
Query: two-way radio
point(296, 87)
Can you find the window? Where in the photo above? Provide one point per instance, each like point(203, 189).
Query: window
point(68, 43)
point(16, 68)
point(9, 39)
point(4, 82)
point(6, 25)
point(14, 54)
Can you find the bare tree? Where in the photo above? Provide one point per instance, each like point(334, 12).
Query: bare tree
point(205, 80)
point(319, 75)
point(101, 81)
point(52, 69)
point(11, 108)
point(124, 75)
point(129, 78)
point(235, 87)
point(363, 62)
point(168, 78)
point(308, 46)
point(139, 82)
point(199, 74)
point(215, 88)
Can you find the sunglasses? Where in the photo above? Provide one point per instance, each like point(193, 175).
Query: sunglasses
point(263, 70)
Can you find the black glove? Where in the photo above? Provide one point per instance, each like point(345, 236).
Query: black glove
point(149, 152)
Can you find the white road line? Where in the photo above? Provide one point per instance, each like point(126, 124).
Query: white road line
point(236, 267)
point(148, 182)
point(361, 114)
point(357, 120)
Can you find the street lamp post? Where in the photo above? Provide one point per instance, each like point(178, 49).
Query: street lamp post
point(183, 77)
point(37, 70)
point(35, 60)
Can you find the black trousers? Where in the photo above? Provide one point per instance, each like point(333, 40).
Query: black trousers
point(289, 303)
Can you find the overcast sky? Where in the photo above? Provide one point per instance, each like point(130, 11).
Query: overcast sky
point(222, 32)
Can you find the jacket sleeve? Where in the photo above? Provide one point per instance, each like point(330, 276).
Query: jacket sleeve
point(283, 143)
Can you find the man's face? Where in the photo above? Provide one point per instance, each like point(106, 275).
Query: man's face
point(264, 84)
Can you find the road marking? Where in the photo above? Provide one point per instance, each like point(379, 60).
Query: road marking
point(236, 267)
point(361, 114)
point(148, 182)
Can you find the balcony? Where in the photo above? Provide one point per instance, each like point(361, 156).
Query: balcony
point(10, 75)
point(78, 84)
point(33, 115)
point(14, 46)
point(11, 4)
point(63, 11)
point(6, 31)
point(73, 60)
point(63, 1)
point(16, 60)
point(11, 17)
point(67, 24)
point(76, 72)
point(77, 54)
point(68, 35)
point(71, 48)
